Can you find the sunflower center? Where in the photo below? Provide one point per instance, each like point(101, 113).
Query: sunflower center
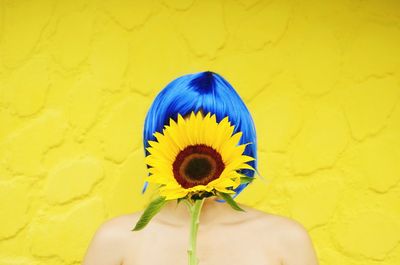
point(197, 165)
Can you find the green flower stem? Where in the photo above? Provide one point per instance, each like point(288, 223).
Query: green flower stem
point(194, 227)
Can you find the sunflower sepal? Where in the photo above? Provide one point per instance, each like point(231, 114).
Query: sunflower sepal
point(180, 199)
point(151, 210)
point(230, 201)
point(201, 195)
point(246, 179)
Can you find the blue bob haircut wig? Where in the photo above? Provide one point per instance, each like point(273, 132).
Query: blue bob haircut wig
point(208, 92)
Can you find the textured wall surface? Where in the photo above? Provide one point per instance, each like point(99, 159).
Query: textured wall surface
point(321, 78)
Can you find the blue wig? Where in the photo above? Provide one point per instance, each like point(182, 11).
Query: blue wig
point(209, 92)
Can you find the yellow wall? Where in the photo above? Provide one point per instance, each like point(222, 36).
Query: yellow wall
point(321, 79)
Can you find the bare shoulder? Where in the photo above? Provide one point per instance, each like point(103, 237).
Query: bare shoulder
point(109, 240)
point(122, 223)
point(297, 246)
point(290, 236)
point(285, 226)
point(288, 229)
point(117, 228)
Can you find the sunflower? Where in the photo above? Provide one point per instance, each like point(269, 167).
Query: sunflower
point(196, 156)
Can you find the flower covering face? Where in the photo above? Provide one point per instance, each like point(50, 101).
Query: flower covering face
point(192, 159)
point(196, 155)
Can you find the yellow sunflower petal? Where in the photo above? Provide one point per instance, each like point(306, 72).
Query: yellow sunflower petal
point(200, 188)
point(190, 128)
point(157, 179)
point(237, 181)
point(152, 143)
point(173, 192)
point(217, 137)
point(205, 128)
point(237, 166)
point(172, 195)
point(174, 134)
point(153, 161)
point(230, 144)
point(210, 132)
point(166, 146)
point(224, 132)
point(196, 128)
point(158, 152)
point(231, 153)
point(182, 131)
point(161, 169)
point(223, 182)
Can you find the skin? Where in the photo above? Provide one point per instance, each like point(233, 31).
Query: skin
point(225, 236)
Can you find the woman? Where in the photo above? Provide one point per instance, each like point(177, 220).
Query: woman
point(225, 236)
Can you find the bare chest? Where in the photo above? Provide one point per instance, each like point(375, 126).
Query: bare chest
point(214, 246)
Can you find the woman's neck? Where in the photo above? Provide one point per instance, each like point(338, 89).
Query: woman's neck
point(212, 212)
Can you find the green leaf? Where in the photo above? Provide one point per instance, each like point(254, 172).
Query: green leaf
point(245, 179)
point(230, 201)
point(152, 209)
